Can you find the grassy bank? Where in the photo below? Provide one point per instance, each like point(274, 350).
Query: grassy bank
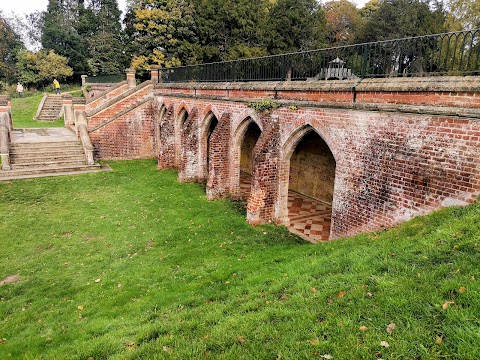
point(130, 264)
point(24, 110)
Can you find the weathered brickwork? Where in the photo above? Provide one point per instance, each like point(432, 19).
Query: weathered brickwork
point(380, 157)
point(386, 167)
point(131, 136)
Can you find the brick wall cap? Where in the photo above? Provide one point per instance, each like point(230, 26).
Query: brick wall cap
point(4, 100)
point(432, 83)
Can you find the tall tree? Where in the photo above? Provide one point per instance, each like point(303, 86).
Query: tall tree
point(295, 25)
point(231, 29)
point(10, 44)
point(342, 22)
point(396, 19)
point(59, 33)
point(162, 32)
point(99, 24)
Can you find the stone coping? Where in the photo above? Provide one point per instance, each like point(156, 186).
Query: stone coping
point(398, 84)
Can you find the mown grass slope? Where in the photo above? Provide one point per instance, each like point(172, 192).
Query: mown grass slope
point(130, 264)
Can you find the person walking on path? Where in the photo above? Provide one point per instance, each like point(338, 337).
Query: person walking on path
point(20, 89)
point(56, 85)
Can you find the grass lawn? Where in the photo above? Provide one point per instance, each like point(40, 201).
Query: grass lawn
point(24, 110)
point(130, 264)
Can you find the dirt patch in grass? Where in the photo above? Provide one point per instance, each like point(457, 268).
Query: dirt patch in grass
point(12, 279)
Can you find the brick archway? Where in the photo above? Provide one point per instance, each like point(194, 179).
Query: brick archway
point(238, 138)
point(180, 119)
point(210, 121)
point(305, 204)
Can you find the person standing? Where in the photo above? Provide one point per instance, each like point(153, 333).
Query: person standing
point(20, 89)
point(56, 85)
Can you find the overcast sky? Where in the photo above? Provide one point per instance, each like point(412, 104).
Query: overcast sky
point(29, 6)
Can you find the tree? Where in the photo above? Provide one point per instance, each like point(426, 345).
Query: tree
point(38, 69)
point(59, 34)
point(161, 31)
point(396, 19)
point(10, 44)
point(229, 29)
point(342, 22)
point(463, 15)
point(99, 24)
point(295, 25)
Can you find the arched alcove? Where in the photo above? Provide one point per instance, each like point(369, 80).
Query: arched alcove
point(179, 124)
point(246, 144)
point(209, 125)
point(307, 189)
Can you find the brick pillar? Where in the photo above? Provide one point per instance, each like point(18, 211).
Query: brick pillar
point(68, 109)
point(155, 70)
point(188, 170)
point(265, 176)
point(218, 183)
point(166, 157)
point(84, 80)
point(131, 78)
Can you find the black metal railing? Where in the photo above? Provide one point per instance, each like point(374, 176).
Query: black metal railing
point(455, 53)
point(106, 79)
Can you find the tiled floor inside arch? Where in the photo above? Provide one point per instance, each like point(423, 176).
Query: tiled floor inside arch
point(309, 218)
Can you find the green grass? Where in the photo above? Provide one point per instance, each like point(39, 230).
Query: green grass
point(24, 110)
point(130, 264)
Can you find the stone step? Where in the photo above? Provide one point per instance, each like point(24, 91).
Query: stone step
point(33, 159)
point(48, 164)
point(45, 144)
point(25, 174)
point(47, 171)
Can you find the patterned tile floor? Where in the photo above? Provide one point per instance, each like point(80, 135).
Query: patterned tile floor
point(309, 218)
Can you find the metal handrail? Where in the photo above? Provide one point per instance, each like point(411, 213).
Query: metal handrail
point(453, 53)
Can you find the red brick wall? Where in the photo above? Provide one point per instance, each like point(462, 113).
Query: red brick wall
point(390, 166)
point(131, 136)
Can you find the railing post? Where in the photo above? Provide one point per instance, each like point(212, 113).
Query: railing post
point(68, 109)
point(154, 70)
point(84, 80)
point(365, 60)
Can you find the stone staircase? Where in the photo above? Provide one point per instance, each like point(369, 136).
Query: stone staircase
point(51, 109)
point(48, 156)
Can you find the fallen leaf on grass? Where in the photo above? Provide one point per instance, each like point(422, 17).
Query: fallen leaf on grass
point(314, 342)
point(241, 339)
point(2, 340)
point(446, 304)
point(341, 294)
point(131, 345)
point(391, 327)
point(462, 290)
point(438, 340)
point(385, 344)
point(80, 307)
point(326, 356)
point(98, 280)
point(363, 328)
point(167, 349)
point(313, 290)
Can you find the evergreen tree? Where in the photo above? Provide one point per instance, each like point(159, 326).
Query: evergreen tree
point(230, 29)
point(295, 25)
point(59, 34)
point(396, 19)
point(100, 26)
